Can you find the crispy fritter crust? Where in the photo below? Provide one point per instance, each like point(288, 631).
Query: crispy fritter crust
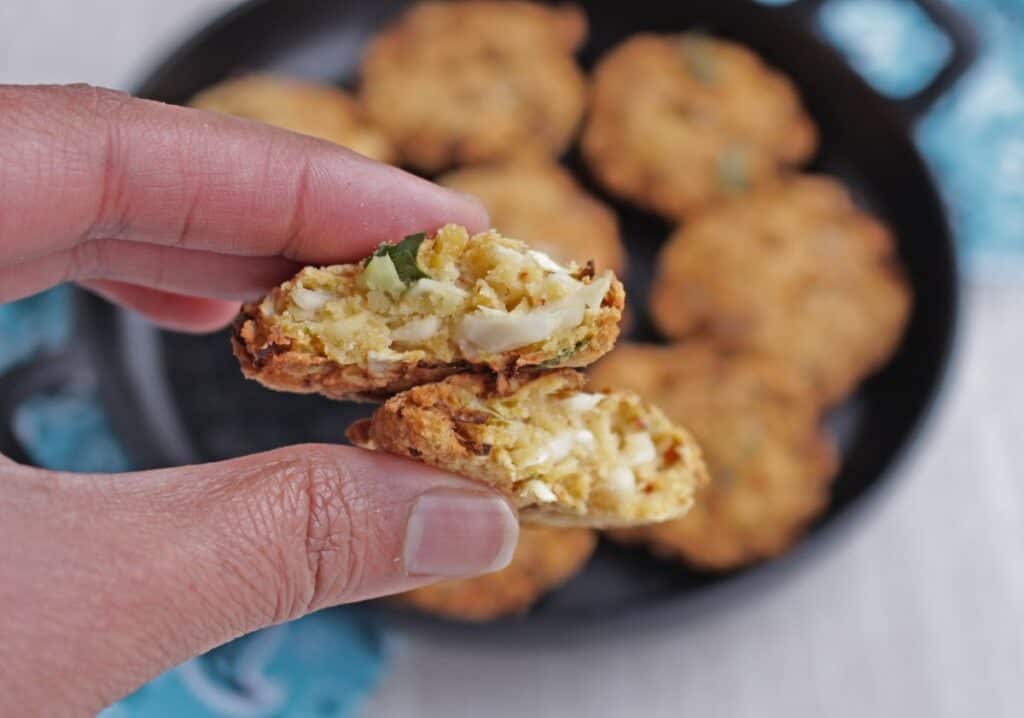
point(433, 424)
point(539, 202)
point(544, 559)
point(464, 82)
point(678, 121)
point(266, 355)
point(300, 106)
point(758, 425)
point(795, 271)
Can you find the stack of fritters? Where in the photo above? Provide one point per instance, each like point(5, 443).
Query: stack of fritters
point(471, 340)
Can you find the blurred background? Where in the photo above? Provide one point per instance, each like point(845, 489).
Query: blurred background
point(918, 611)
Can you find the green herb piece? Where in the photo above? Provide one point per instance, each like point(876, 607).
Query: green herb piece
point(700, 59)
point(380, 274)
point(403, 255)
point(732, 171)
point(565, 354)
point(725, 478)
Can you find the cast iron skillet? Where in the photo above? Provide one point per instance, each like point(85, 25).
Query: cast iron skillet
point(177, 399)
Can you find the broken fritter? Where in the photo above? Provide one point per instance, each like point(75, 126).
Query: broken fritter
point(563, 456)
point(544, 559)
point(538, 201)
point(321, 111)
point(423, 309)
point(794, 271)
point(757, 423)
point(473, 81)
point(680, 121)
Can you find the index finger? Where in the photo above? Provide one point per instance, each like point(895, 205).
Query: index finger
point(82, 164)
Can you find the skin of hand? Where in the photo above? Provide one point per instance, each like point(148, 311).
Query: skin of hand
point(106, 581)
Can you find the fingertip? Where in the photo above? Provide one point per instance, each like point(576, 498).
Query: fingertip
point(477, 219)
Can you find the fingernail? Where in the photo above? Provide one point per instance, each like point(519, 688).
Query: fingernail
point(459, 533)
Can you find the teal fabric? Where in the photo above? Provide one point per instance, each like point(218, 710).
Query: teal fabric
point(974, 138)
point(891, 42)
point(319, 667)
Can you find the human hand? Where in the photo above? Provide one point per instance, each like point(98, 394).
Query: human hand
point(105, 581)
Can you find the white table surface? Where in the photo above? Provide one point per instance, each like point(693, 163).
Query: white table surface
point(918, 612)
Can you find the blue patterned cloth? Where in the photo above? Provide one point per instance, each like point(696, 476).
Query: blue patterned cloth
point(323, 665)
point(319, 667)
point(974, 138)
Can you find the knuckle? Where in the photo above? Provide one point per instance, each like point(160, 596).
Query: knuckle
point(109, 109)
point(330, 512)
point(86, 261)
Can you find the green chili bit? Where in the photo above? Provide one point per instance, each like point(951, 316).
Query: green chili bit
point(403, 256)
point(565, 354)
point(732, 171)
point(699, 54)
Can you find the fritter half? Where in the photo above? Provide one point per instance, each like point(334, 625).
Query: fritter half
point(424, 309)
point(563, 456)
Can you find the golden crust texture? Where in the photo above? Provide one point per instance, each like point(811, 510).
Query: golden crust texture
point(758, 425)
point(495, 306)
point(679, 121)
point(539, 202)
point(321, 111)
point(563, 457)
point(795, 271)
point(544, 559)
point(265, 354)
point(465, 82)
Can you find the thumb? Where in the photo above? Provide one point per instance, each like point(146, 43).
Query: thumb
point(117, 578)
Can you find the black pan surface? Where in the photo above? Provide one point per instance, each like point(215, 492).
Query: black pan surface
point(176, 398)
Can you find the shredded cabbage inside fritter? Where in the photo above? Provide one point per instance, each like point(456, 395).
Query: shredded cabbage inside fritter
point(441, 298)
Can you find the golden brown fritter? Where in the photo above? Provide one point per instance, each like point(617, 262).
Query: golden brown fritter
point(539, 202)
point(795, 271)
point(300, 106)
point(679, 121)
point(544, 559)
point(564, 457)
point(463, 82)
point(424, 309)
point(758, 426)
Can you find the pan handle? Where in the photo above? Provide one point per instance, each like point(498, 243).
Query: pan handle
point(964, 43)
point(962, 39)
point(42, 374)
